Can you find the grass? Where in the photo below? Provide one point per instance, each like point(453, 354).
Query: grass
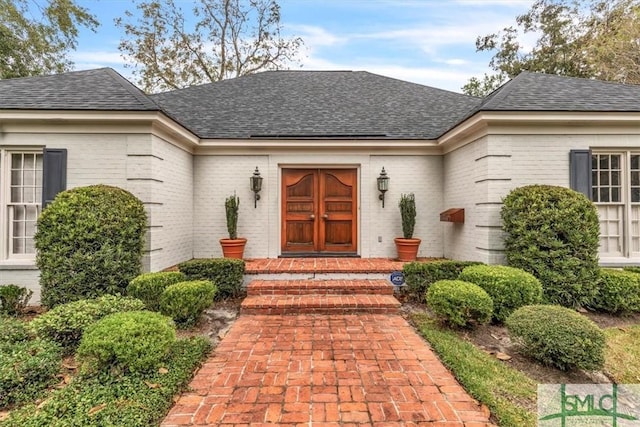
point(509, 394)
point(622, 360)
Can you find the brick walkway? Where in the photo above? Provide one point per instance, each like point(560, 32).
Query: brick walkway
point(325, 370)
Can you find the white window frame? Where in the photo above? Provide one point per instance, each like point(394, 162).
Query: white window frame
point(625, 200)
point(6, 240)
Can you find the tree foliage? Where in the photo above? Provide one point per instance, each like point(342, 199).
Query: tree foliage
point(35, 37)
point(219, 39)
point(591, 39)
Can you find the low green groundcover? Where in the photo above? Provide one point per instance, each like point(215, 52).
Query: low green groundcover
point(132, 400)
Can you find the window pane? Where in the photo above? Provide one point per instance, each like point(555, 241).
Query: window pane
point(604, 195)
point(32, 213)
point(615, 162)
point(30, 228)
point(594, 161)
point(18, 246)
point(604, 178)
point(604, 162)
point(16, 177)
point(635, 195)
point(594, 194)
point(615, 178)
point(615, 194)
point(28, 162)
point(16, 194)
point(635, 162)
point(16, 161)
point(594, 178)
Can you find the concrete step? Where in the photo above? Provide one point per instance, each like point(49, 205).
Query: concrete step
point(319, 287)
point(319, 304)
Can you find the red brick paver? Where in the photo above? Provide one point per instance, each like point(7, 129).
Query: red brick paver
point(325, 370)
point(319, 287)
point(321, 265)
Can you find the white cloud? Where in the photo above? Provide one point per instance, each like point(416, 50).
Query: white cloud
point(453, 61)
point(98, 57)
point(316, 36)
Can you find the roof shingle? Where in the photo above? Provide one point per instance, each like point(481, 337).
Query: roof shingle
point(548, 92)
point(316, 104)
point(101, 89)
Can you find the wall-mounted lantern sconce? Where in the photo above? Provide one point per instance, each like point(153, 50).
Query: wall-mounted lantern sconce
point(383, 185)
point(256, 186)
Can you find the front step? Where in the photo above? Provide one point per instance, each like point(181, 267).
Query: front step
point(319, 304)
point(319, 287)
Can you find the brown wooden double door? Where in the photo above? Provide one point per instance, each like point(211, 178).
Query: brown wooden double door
point(319, 211)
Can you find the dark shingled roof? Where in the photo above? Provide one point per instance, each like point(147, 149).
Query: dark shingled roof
point(548, 92)
point(315, 104)
point(338, 104)
point(102, 89)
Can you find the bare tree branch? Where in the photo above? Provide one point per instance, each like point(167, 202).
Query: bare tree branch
point(169, 49)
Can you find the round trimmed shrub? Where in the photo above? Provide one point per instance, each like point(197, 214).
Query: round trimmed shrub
point(89, 243)
point(134, 341)
point(509, 288)
point(557, 336)
point(149, 286)
point(13, 299)
point(618, 291)
point(459, 303)
point(27, 368)
point(553, 233)
point(184, 302)
point(66, 323)
point(13, 331)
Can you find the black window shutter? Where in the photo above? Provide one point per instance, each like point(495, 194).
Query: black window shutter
point(580, 170)
point(54, 173)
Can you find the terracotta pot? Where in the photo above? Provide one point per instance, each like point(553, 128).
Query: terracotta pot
point(233, 248)
point(407, 248)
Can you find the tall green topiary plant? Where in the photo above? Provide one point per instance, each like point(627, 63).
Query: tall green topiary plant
point(233, 247)
point(408, 213)
point(232, 206)
point(89, 243)
point(407, 247)
point(553, 233)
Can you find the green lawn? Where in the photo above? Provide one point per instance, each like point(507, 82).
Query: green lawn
point(509, 394)
point(622, 360)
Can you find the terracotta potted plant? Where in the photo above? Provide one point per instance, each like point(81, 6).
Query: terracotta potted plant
point(407, 246)
point(233, 247)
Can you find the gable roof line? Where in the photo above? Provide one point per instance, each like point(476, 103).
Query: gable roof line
point(131, 88)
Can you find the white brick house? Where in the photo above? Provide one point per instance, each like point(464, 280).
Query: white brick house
point(183, 152)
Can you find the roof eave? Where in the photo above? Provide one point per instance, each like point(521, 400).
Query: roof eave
point(157, 119)
point(485, 122)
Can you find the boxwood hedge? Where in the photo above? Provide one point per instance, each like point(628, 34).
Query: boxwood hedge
point(557, 336)
point(459, 303)
point(149, 286)
point(420, 275)
point(89, 242)
point(553, 233)
point(226, 273)
point(618, 292)
point(509, 288)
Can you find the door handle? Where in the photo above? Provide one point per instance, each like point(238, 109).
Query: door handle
point(325, 216)
point(312, 216)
